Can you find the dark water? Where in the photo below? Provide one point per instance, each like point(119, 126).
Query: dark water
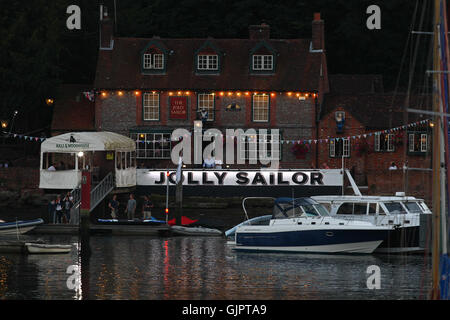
point(207, 268)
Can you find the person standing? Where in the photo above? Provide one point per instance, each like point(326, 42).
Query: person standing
point(114, 206)
point(52, 211)
point(59, 209)
point(131, 207)
point(68, 202)
point(147, 208)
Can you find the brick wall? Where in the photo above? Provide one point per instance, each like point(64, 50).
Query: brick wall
point(294, 118)
point(19, 178)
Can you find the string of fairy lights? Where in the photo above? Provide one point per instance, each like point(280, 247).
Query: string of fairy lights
point(282, 141)
point(223, 93)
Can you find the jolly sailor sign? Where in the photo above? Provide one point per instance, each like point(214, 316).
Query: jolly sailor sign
point(332, 177)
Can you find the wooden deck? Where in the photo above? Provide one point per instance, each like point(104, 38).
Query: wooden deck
point(133, 230)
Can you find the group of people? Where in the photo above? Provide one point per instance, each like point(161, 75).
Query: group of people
point(131, 207)
point(59, 209)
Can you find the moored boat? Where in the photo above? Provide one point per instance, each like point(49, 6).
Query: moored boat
point(403, 212)
point(195, 231)
point(304, 225)
point(47, 248)
point(18, 227)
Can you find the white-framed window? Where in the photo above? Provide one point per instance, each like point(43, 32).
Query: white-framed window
point(384, 142)
point(152, 145)
point(339, 148)
point(267, 144)
point(262, 62)
point(150, 106)
point(206, 101)
point(417, 142)
point(153, 61)
point(260, 108)
point(207, 62)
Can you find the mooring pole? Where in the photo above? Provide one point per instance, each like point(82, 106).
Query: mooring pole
point(84, 237)
point(179, 201)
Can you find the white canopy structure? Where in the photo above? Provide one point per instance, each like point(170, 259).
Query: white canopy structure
point(88, 141)
point(94, 151)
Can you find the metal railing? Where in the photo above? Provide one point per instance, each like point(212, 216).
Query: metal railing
point(102, 190)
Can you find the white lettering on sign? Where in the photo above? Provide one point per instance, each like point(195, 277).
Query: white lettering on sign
point(332, 177)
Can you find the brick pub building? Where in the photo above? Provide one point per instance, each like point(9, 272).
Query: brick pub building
point(147, 87)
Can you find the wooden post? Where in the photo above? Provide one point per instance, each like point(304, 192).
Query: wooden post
point(84, 237)
point(179, 201)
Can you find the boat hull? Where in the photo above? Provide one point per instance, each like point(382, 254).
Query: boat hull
point(19, 227)
point(315, 241)
point(400, 240)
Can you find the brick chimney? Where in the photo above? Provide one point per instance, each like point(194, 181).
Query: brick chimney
point(106, 29)
point(318, 37)
point(259, 32)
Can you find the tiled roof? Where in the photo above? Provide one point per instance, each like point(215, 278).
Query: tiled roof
point(297, 69)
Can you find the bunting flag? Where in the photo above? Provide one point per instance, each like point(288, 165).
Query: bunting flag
point(309, 141)
point(90, 95)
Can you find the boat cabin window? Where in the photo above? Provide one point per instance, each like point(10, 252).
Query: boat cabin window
point(372, 209)
point(412, 207)
point(423, 206)
point(395, 208)
point(352, 208)
point(345, 208)
point(359, 208)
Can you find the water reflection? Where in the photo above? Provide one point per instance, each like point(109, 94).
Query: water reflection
point(206, 268)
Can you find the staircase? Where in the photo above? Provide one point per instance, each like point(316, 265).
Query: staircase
point(99, 193)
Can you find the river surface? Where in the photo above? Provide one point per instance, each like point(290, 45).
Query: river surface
point(205, 268)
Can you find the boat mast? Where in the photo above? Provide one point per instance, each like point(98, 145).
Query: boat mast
point(436, 155)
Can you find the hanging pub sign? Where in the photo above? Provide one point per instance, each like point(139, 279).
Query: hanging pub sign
point(331, 177)
point(178, 107)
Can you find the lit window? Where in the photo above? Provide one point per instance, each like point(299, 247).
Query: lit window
point(262, 62)
point(259, 146)
point(206, 101)
point(207, 62)
point(339, 148)
point(151, 106)
point(384, 142)
point(417, 142)
point(153, 61)
point(260, 108)
point(152, 145)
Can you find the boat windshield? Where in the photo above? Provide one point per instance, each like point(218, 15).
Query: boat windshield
point(395, 208)
point(290, 210)
point(412, 207)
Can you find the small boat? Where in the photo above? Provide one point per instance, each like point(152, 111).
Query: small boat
point(47, 248)
point(402, 211)
point(195, 231)
point(151, 221)
point(18, 227)
point(304, 225)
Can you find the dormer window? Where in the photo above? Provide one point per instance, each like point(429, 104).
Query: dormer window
point(154, 58)
point(153, 61)
point(207, 62)
point(262, 62)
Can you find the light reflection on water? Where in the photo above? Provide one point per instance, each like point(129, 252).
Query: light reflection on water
point(207, 268)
